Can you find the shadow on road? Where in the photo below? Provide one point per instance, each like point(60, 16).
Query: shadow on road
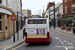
point(38, 44)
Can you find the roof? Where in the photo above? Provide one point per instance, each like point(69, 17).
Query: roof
point(38, 16)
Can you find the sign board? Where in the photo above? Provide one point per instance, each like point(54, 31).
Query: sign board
point(41, 31)
point(32, 31)
point(13, 17)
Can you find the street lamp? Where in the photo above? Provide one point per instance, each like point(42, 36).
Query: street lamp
point(54, 14)
point(49, 12)
point(18, 13)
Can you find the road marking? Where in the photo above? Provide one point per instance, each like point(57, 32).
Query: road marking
point(60, 46)
point(5, 46)
point(66, 48)
point(69, 43)
point(57, 38)
point(61, 42)
point(19, 46)
point(65, 37)
point(70, 47)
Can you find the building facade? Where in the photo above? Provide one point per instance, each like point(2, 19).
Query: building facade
point(27, 13)
point(51, 9)
point(7, 7)
point(58, 14)
point(68, 7)
point(69, 11)
point(50, 4)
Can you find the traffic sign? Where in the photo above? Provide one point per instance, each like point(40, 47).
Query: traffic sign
point(13, 17)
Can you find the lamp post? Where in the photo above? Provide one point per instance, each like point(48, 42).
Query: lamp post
point(18, 14)
point(49, 17)
point(21, 21)
point(54, 14)
point(17, 26)
point(49, 12)
point(13, 30)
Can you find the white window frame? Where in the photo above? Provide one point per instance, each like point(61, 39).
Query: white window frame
point(66, 10)
point(1, 20)
point(65, 0)
point(73, 5)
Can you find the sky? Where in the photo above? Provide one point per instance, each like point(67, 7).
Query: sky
point(37, 6)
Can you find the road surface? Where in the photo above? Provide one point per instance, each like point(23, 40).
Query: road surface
point(60, 41)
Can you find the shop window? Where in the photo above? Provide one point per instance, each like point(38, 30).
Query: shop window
point(73, 0)
point(0, 22)
point(73, 8)
point(0, 1)
point(65, 10)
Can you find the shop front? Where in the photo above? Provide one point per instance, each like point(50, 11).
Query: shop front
point(69, 20)
point(6, 26)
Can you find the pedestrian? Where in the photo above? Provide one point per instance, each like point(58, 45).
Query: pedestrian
point(50, 24)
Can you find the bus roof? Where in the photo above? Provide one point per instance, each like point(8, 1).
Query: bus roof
point(37, 18)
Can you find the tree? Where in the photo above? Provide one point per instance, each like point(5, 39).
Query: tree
point(63, 21)
point(68, 21)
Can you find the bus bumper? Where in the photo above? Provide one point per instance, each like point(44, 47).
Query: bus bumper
point(37, 40)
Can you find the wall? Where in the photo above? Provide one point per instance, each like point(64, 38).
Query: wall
point(68, 4)
point(8, 3)
point(18, 5)
point(4, 2)
point(13, 4)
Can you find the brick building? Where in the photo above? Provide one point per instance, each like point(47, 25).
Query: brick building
point(36, 16)
point(68, 8)
point(50, 4)
point(69, 11)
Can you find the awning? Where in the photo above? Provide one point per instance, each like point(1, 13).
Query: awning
point(70, 15)
point(2, 10)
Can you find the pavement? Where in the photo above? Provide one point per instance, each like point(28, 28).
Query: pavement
point(60, 41)
point(64, 31)
point(9, 42)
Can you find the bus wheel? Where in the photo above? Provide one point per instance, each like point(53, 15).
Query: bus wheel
point(30, 43)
